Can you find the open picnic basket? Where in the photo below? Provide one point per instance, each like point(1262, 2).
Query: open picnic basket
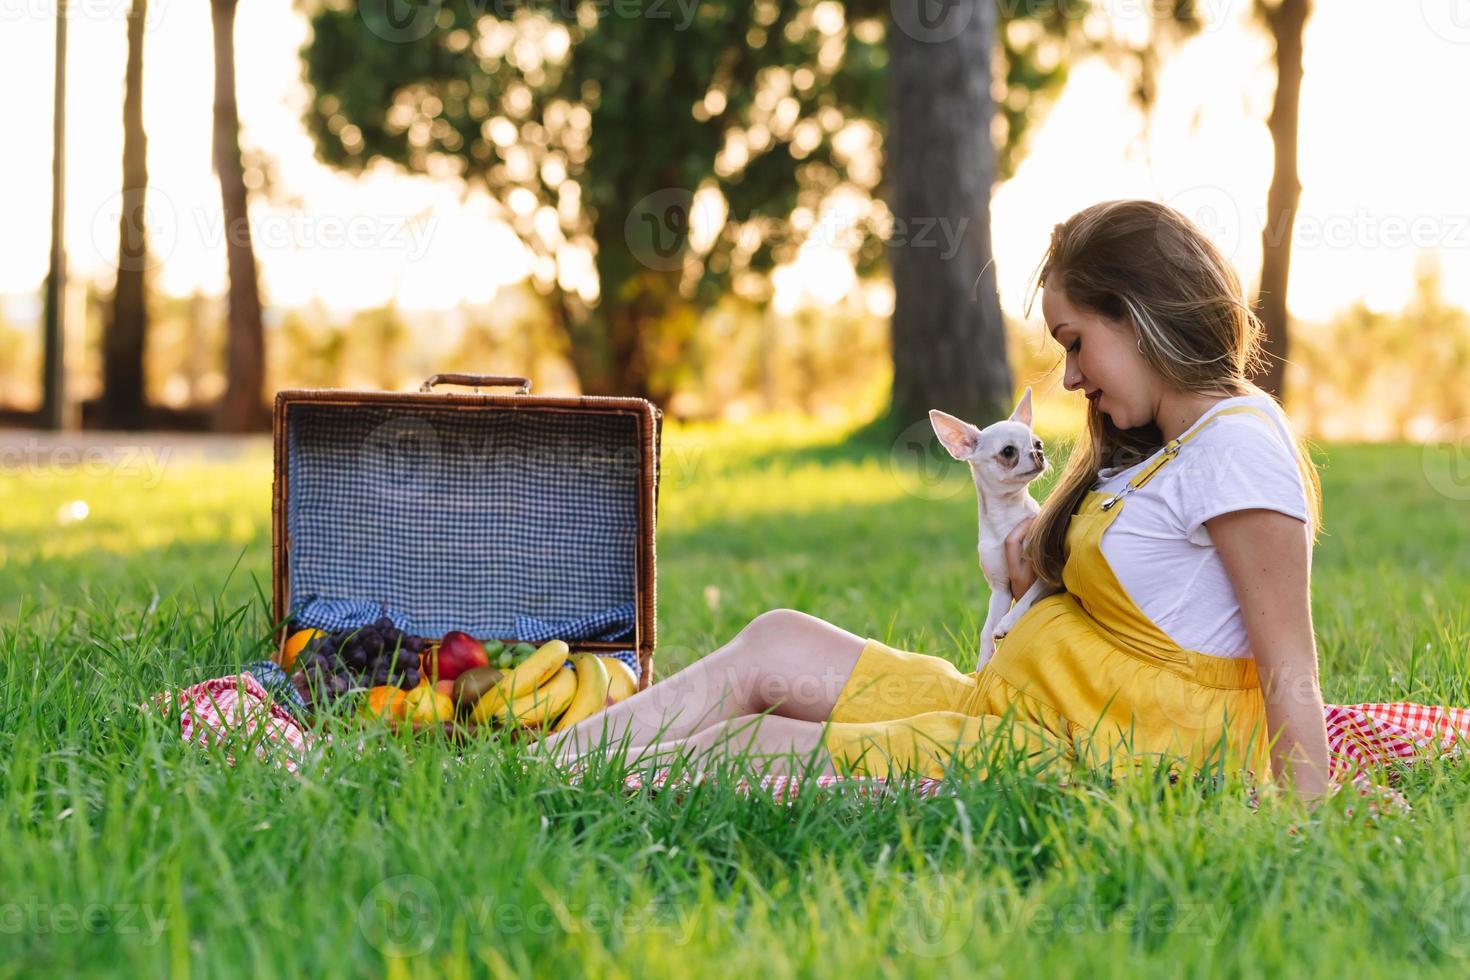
point(507, 516)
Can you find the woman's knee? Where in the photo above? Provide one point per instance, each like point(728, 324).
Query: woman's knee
point(773, 624)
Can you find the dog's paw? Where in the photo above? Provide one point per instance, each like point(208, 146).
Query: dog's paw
point(1007, 623)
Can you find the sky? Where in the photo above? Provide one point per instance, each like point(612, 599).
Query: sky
point(1384, 145)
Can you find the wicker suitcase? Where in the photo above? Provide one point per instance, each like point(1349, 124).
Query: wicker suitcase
point(508, 516)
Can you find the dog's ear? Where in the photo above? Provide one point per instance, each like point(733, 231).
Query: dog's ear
point(956, 435)
point(1022, 413)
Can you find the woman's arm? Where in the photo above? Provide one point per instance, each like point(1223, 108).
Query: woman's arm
point(1266, 555)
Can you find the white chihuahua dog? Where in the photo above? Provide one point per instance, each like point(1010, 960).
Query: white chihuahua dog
point(1004, 458)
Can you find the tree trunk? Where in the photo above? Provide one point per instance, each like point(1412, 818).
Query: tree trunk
point(241, 409)
point(1286, 20)
point(124, 385)
point(54, 403)
point(949, 349)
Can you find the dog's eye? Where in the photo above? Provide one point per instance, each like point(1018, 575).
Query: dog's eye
point(1008, 452)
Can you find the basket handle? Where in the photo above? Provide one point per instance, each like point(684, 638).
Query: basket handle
point(478, 381)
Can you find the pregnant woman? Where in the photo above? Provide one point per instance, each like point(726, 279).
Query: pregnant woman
point(1181, 531)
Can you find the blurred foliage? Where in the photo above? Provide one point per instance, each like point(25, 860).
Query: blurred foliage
point(1369, 375)
point(1361, 375)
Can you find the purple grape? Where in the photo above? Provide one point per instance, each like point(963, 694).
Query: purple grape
point(410, 679)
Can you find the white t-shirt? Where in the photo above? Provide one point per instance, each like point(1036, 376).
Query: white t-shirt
point(1158, 546)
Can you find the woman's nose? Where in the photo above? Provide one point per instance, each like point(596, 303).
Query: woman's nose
point(1071, 379)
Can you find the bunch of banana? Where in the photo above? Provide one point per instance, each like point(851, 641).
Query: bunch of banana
point(542, 691)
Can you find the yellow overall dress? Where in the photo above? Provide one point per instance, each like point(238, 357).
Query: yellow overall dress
point(1083, 677)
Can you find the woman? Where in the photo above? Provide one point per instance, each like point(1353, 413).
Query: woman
point(1186, 630)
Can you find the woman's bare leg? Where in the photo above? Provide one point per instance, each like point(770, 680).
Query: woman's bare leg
point(784, 662)
point(776, 745)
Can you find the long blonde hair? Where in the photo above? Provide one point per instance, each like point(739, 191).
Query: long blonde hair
point(1145, 264)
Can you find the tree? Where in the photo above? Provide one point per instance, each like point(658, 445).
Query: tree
point(53, 406)
point(1286, 19)
point(241, 409)
point(948, 348)
point(124, 390)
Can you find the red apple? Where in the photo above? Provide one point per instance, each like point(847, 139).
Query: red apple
point(459, 652)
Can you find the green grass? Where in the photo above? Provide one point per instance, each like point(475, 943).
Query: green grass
point(124, 851)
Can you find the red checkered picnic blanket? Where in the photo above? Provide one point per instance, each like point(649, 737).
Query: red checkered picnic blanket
point(235, 711)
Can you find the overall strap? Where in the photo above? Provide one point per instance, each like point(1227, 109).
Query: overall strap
point(1171, 449)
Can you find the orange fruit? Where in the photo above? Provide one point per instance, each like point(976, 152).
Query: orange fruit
point(385, 701)
point(293, 646)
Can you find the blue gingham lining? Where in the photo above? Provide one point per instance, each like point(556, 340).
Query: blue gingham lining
point(488, 522)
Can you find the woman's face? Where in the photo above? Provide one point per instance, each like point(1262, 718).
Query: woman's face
point(1102, 360)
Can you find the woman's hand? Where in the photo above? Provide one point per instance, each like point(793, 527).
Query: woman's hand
point(1019, 570)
